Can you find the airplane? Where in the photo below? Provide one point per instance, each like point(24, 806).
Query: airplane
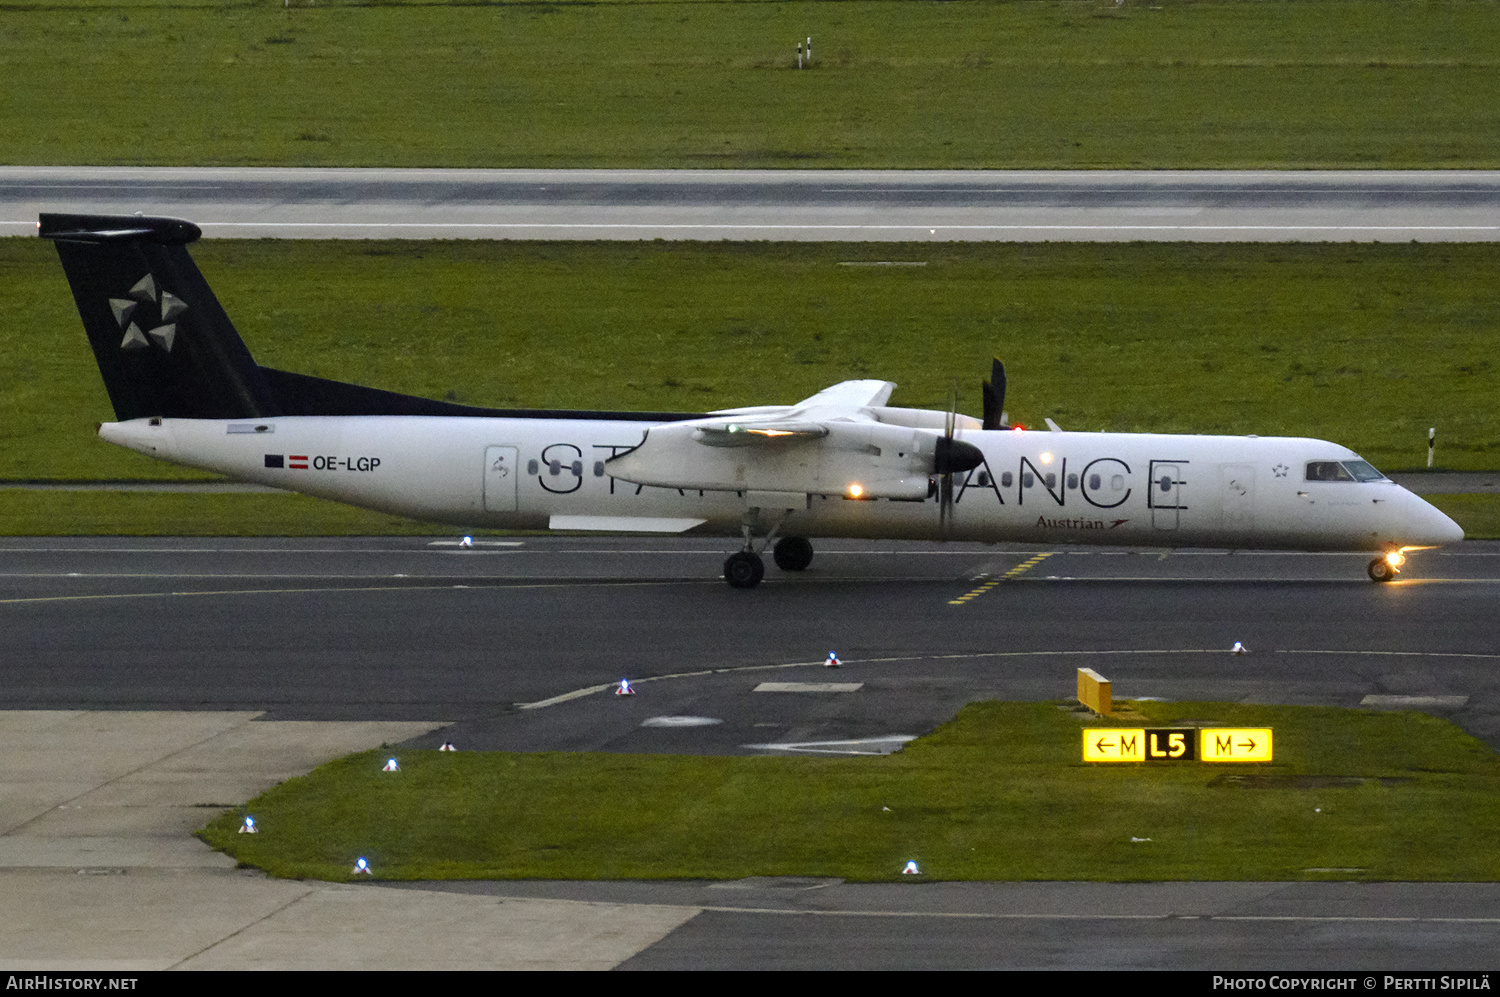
point(842, 463)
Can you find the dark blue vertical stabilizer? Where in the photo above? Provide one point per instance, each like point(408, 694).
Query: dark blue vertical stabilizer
point(163, 343)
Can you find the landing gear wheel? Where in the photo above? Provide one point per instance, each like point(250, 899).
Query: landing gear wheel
point(744, 570)
point(1381, 570)
point(792, 554)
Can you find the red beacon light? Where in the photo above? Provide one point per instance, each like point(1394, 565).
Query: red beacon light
point(1018, 428)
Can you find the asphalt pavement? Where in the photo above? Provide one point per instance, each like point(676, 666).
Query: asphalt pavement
point(517, 643)
point(831, 205)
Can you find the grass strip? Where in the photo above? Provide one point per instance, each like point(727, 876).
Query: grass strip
point(1478, 514)
point(1064, 84)
point(175, 514)
point(998, 793)
point(1367, 345)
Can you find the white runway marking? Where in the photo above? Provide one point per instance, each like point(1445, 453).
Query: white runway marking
point(809, 687)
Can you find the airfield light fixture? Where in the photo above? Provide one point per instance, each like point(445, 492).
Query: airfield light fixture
point(856, 490)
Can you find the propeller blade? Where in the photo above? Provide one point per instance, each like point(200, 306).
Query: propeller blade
point(945, 504)
point(994, 397)
point(951, 455)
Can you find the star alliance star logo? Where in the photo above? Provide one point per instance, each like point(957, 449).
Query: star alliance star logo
point(1280, 470)
point(167, 306)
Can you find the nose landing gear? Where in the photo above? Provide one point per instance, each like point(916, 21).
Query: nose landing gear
point(1386, 567)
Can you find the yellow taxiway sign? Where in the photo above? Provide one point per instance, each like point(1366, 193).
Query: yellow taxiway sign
point(1235, 744)
point(1177, 744)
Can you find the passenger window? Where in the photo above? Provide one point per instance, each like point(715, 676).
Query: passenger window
point(1051, 480)
point(1007, 479)
point(554, 468)
point(1327, 470)
point(1072, 481)
point(577, 469)
point(1165, 484)
point(1117, 483)
point(1028, 479)
point(598, 468)
point(984, 479)
point(1094, 482)
point(531, 467)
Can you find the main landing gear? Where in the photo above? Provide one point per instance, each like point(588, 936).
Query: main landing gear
point(744, 569)
point(1386, 567)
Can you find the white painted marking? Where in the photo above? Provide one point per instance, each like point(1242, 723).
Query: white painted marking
point(809, 687)
point(680, 722)
point(863, 746)
point(476, 543)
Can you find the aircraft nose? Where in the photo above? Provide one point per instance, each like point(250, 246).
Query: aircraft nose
point(1430, 526)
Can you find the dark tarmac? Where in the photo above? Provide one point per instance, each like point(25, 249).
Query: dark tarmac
point(518, 642)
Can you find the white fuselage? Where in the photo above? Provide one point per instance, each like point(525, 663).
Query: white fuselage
point(1042, 487)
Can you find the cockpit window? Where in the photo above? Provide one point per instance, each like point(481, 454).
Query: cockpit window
point(1348, 470)
point(1327, 470)
point(1363, 470)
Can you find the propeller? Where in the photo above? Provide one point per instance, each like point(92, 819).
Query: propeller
point(994, 397)
point(951, 456)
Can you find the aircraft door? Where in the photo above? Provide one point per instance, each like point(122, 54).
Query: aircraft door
point(501, 475)
point(1166, 494)
point(1237, 486)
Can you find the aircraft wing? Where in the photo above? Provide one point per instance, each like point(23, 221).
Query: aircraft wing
point(850, 394)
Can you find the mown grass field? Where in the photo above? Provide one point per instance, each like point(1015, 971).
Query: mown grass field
point(899, 83)
point(1367, 345)
point(999, 793)
point(26, 513)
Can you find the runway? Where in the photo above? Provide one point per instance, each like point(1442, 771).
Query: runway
point(854, 205)
point(516, 642)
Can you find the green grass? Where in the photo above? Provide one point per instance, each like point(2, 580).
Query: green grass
point(997, 793)
point(1072, 84)
point(1367, 345)
point(115, 513)
point(1478, 514)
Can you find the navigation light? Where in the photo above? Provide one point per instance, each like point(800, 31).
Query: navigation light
point(361, 867)
point(249, 826)
point(391, 766)
point(911, 870)
point(856, 490)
